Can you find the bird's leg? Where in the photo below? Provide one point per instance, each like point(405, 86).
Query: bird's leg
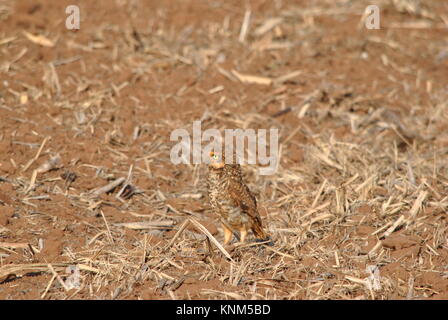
point(227, 234)
point(243, 234)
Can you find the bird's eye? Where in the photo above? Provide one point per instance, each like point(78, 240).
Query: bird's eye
point(215, 156)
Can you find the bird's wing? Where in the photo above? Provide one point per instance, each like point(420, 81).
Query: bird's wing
point(243, 198)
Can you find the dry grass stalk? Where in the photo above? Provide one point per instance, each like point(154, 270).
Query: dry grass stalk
point(20, 270)
point(127, 182)
point(108, 187)
point(29, 163)
point(178, 233)
point(32, 182)
point(211, 237)
point(246, 78)
point(61, 282)
point(396, 224)
point(244, 26)
point(48, 286)
point(109, 234)
point(39, 39)
point(417, 204)
point(142, 225)
point(14, 245)
point(287, 77)
point(267, 26)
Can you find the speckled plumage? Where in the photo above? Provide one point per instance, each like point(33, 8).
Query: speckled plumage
point(232, 200)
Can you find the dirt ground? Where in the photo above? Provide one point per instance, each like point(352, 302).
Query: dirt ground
point(357, 208)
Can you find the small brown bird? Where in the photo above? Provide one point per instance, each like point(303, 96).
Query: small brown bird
point(232, 200)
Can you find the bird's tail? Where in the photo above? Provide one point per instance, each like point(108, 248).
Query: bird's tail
point(261, 235)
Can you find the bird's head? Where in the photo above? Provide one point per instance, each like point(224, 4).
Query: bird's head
point(217, 160)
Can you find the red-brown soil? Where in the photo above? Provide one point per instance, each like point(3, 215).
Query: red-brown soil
point(362, 179)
